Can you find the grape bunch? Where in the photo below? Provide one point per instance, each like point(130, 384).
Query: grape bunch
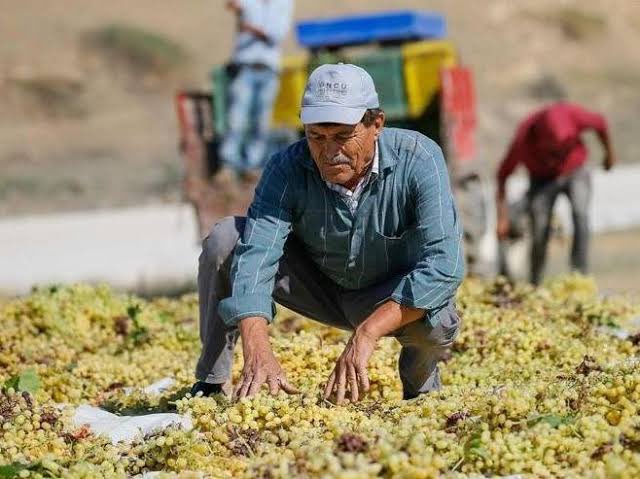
point(534, 385)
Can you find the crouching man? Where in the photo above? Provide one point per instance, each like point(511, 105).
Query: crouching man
point(355, 227)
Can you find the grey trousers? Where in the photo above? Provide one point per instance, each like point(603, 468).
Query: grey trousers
point(301, 287)
point(541, 197)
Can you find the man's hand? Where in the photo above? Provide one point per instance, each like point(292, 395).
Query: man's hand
point(351, 368)
point(609, 161)
point(260, 365)
point(502, 228)
point(502, 212)
point(609, 154)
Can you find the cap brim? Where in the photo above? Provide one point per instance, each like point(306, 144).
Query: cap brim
point(331, 114)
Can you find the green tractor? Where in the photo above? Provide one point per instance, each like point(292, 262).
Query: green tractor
point(421, 85)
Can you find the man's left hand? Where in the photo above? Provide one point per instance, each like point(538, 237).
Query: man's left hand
point(609, 161)
point(351, 368)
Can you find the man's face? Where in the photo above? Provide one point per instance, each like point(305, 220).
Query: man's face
point(343, 152)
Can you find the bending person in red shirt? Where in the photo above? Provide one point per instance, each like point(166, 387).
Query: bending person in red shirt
point(549, 145)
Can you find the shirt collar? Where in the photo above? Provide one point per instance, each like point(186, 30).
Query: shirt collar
point(375, 167)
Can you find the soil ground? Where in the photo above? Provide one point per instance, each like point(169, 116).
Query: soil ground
point(615, 261)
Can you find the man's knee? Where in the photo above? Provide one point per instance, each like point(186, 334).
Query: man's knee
point(219, 244)
point(424, 334)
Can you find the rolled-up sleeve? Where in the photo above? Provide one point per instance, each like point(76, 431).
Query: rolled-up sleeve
point(260, 248)
point(440, 269)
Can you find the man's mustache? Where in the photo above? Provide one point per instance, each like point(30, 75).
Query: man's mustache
point(337, 160)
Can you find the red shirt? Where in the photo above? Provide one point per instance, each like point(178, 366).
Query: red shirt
point(548, 142)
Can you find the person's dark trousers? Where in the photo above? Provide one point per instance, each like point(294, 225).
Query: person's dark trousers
point(542, 196)
point(301, 287)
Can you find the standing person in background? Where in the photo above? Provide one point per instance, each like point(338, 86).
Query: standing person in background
point(261, 27)
point(548, 143)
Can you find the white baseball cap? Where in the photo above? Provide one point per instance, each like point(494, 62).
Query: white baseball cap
point(339, 93)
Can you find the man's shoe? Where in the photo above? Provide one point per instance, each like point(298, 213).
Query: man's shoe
point(206, 389)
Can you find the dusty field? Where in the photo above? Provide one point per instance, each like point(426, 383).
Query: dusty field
point(81, 130)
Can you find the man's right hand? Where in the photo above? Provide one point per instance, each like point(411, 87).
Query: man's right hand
point(260, 364)
point(502, 228)
point(609, 161)
point(502, 211)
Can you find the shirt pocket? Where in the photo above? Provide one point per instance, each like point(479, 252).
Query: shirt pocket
point(395, 254)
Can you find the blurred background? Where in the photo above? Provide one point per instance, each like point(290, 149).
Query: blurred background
point(89, 136)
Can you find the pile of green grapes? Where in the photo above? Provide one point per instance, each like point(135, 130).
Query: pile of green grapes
point(533, 386)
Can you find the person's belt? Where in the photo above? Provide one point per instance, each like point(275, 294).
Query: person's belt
point(255, 66)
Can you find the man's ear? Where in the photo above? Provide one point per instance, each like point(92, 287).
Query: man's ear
point(379, 123)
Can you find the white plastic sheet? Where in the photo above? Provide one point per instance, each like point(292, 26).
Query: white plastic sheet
point(127, 428)
point(155, 388)
point(630, 328)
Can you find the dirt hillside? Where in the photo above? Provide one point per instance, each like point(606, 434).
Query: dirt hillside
point(87, 122)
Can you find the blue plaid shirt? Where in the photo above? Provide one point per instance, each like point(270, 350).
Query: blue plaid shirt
point(405, 224)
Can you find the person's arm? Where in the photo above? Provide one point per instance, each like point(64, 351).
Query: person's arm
point(590, 120)
point(511, 160)
point(502, 210)
point(238, 7)
point(275, 24)
point(256, 31)
point(440, 270)
point(432, 282)
point(252, 278)
point(609, 155)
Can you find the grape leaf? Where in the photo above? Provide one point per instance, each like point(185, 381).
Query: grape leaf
point(552, 420)
point(26, 381)
point(29, 381)
point(11, 383)
point(474, 447)
point(11, 470)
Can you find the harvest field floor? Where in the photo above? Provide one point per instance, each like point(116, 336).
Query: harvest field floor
point(532, 386)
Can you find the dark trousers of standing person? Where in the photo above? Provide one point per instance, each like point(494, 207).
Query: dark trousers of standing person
point(542, 196)
point(301, 287)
